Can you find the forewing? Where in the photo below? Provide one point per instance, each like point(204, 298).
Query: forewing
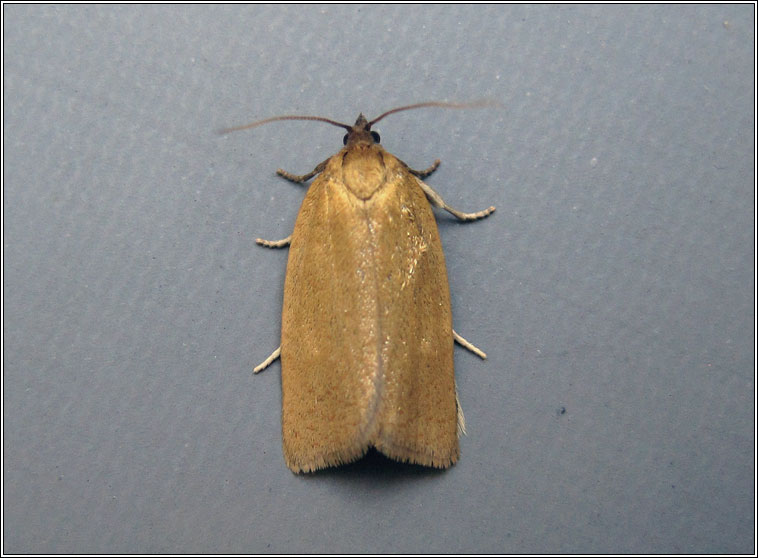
point(418, 411)
point(329, 334)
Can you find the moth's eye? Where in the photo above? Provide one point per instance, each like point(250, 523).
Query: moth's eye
point(375, 136)
point(344, 140)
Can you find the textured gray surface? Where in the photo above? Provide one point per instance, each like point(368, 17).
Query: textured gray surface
point(614, 281)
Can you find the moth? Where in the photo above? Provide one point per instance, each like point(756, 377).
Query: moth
point(367, 335)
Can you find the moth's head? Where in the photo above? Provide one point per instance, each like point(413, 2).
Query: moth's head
point(360, 132)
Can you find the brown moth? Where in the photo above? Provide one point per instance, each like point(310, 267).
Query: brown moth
point(367, 334)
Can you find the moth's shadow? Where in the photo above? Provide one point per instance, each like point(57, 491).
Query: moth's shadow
point(376, 467)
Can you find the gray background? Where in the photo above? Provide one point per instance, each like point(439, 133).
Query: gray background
point(615, 280)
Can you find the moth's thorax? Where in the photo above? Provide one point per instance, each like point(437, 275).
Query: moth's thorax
point(363, 169)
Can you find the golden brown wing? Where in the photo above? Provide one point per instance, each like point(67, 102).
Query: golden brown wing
point(418, 411)
point(330, 350)
point(367, 347)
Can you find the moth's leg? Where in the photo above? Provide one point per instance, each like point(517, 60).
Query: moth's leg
point(274, 243)
point(426, 172)
point(461, 419)
point(272, 357)
point(470, 346)
point(299, 178)
point(437, 201)
point(459, 410)
point(302, 177)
